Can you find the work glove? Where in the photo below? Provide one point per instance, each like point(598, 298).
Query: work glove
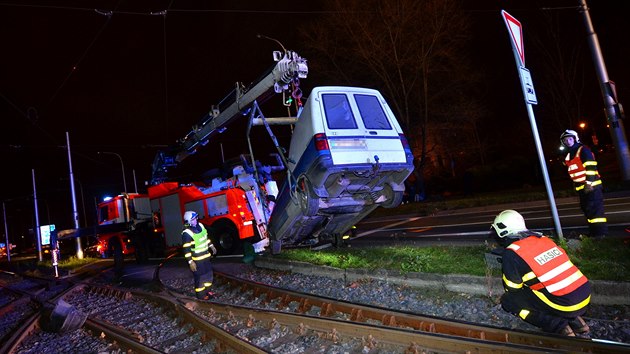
point(213, 250)
point(193, 266)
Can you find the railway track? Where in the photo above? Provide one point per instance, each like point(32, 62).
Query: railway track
point(121, 320)
point(255, 318)
point(234, 290)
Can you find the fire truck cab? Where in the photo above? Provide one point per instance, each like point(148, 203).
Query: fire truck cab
point(122, 218)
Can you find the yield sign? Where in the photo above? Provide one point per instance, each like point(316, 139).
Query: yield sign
point(516, 34)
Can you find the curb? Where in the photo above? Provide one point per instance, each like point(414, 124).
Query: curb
point(604, 292)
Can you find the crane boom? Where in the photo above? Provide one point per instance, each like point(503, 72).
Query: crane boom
point(290, 66)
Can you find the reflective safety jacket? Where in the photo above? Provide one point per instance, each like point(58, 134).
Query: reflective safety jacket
point(537, 263)
point(196, 243)
point(582, 168)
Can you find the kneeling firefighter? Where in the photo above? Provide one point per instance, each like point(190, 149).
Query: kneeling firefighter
point(542, 286)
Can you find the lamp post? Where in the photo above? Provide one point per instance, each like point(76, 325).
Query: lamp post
point(122, 165)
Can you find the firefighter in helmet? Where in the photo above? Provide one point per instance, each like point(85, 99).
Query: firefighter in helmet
point(198, 249)
point(582, 168)
point(542, 286)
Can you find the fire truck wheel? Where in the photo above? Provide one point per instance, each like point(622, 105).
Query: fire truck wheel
point(309, 202)
point(225, 237)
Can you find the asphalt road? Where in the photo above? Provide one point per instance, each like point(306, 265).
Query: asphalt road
point(473, 225)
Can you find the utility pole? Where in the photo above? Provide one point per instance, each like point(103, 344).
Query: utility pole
point(6, 232)
point(75, 213)
point(36, 230)
point(612, 107)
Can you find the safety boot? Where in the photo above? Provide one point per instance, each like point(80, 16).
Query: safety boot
point(566, 331)
point(579, 326)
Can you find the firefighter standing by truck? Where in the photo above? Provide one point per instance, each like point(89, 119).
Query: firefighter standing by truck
point(542, 286)
point(582, 168)
point(198, 249)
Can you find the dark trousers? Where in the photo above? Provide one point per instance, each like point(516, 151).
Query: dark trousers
point(203, 277)
point(592, 205)
point(540, 315)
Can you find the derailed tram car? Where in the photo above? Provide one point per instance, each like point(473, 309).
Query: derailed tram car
point(348, 155)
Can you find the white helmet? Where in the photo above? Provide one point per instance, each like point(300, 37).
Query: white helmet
point(509, 222)
point(569, 132)
point(189, 215)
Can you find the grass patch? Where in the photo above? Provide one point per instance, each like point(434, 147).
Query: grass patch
point(439, 259)
point(70, 263)
point(607, 259)
point(595, 259)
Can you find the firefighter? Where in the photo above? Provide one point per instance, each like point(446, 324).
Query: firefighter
point(542, 286)
point(582, 168)
point(198, 249)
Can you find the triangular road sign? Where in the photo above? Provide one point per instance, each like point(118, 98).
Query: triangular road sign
point(516, 34)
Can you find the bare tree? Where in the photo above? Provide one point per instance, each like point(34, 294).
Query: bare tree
point(410, 50)
point(562, 56)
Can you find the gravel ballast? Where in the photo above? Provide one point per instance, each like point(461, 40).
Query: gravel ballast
point(606, 322)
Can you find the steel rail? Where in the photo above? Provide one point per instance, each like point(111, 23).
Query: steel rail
point(429, 324)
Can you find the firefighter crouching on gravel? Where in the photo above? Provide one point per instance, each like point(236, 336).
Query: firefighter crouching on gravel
point(542, 286)
point(198, 250)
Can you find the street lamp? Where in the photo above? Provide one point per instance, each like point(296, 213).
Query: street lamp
point(121, 164)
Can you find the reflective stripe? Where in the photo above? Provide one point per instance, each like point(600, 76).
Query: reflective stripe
point(564, 283)
point(510, 284)
point(596, 220)
point(204, 256)
point(523, 314)
point(571, 308)
point(556, 271)
point(529, 276)
point(590, 163)
point(513, 247)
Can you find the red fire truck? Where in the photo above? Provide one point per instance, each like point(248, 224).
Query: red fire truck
point(235, 210)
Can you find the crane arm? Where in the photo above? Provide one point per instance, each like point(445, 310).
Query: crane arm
point(289, 66)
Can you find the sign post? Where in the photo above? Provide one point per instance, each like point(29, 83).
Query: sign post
point(516, 38)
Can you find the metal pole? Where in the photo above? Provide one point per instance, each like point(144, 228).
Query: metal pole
point(36, 231)
point(75, 213)
point(515, 29)
point(543, 166)
point(611, 105)
point(6, 232)
point(122, 166)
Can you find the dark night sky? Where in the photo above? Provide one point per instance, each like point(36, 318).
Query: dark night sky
point(132, 81)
